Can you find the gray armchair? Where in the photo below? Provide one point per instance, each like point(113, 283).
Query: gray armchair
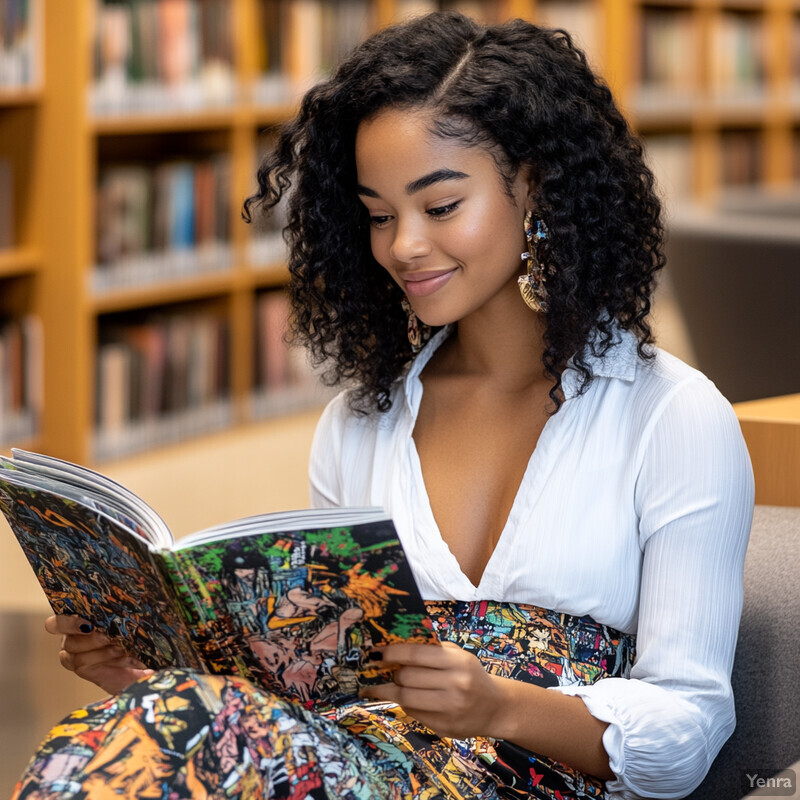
point(766, 671)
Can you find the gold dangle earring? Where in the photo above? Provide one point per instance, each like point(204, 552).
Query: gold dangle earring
point(418, 333)
point(532, 284)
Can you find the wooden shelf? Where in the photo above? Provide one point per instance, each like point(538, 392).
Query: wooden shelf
point(155, 122)
point(20, 261)
point(19, 97)
point(771, 428)
point(185, 289)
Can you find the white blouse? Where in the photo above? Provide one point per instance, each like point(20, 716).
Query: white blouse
point(635, 508)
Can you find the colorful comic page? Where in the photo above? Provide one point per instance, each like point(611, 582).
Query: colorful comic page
point(91, 565)
point(298, 611)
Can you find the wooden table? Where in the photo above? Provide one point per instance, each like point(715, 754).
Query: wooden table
point(771, 428)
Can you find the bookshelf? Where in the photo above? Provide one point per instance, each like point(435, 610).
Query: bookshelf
point(129, 136)
point(22, 191)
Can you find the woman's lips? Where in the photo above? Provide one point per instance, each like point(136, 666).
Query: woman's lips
point(425, 283)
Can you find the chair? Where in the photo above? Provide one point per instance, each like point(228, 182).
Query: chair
point(766, 683)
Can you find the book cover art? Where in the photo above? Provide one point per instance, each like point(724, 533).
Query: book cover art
point(92, 566)
point(299, 611)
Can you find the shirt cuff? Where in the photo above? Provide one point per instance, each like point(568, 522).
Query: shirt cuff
point(656, 741)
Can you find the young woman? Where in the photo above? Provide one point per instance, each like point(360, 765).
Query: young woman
point(474, 242)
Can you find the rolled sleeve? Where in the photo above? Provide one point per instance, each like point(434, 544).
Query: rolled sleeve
point(694, 498)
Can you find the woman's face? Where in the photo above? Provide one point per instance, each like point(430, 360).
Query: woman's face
point(441, 219)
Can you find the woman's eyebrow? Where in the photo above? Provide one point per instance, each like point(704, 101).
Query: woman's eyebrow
point(419, 184)
point(434, 177)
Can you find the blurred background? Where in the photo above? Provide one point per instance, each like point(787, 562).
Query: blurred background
point(141, 320)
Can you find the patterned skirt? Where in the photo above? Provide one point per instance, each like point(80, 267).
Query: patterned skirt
point(179, 734)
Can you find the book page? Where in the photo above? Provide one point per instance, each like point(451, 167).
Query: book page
point(92, 566)
point(298, 610)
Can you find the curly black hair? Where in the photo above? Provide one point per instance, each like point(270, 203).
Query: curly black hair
point(528, 95)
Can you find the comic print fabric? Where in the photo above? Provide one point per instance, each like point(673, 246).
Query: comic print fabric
point(179, 734)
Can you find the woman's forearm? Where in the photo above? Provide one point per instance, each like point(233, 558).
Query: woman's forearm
point(552, 724)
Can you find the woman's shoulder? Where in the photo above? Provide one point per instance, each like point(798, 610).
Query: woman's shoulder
point(665, 375)
point(342, 415)
point(661, 389)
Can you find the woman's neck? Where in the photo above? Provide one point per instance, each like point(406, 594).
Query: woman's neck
point(502, 342)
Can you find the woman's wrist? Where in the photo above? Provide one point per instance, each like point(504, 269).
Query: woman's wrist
point(551, 724)
point(513, 712)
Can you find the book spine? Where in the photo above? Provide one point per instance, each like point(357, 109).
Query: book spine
point(162, 55)
point(20, 38)
point(20, 378)
point(156, 224)
point(161, 379)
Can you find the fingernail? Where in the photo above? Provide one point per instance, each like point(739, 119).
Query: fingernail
point(374, 655)
point(86, 627)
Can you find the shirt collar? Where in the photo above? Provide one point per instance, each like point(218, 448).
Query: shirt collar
point(620, 361)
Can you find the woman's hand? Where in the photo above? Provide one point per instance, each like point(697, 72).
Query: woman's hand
point(93, 656)
point(445, 688)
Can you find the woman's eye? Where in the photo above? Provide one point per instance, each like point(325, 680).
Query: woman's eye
point(378, 220)
point(442, 211)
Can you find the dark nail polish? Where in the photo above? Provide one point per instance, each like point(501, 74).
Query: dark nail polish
point(374, 655)
point(86, 627)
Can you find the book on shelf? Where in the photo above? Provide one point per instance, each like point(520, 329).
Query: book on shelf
point(580, 18)
point(737, 58)
point(741, 157)
point(284, 378)
point(160, 379)
point(20, 43)
point(796, 156)
point(156, 223)
point(294, 601)
point(266, 247)
point(21, 365)
point(272, 85)
point(6, 204)
point(321, 32)
point(668, 69)
point(162, 56)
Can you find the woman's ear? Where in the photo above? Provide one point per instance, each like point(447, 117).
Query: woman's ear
point(531, 178)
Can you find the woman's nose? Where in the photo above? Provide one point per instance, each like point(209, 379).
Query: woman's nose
point(409, 242)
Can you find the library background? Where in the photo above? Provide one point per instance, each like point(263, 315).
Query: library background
point(137, 307)
point(141, 319)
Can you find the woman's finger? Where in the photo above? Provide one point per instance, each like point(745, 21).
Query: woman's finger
point(66, 624)
point(111, 655)
point(82, 643)
point(420, 678)
point(422, 655)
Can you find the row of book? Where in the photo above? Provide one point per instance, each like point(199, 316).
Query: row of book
point(162, 54)
point(741, 155)
point(19, 38)
point(21, 354)
point(161, 378)
point(738, 58)
point(162, 221)
point(284, 381)
point(166, 375)
point(671, 53)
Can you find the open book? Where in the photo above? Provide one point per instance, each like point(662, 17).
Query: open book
point(293, 600)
